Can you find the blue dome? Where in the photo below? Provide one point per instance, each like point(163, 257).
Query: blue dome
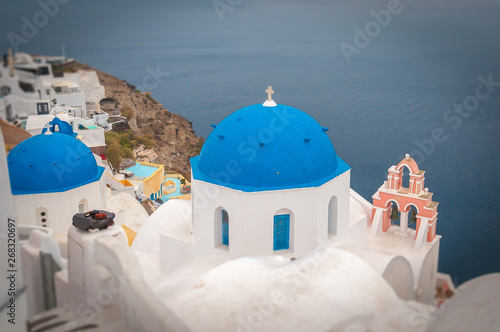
point(51, 163)
point(63, 127)
point(267, 148)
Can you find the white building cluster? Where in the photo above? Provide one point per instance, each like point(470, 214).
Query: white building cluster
point(273, 238)
point(31, 96)
point(30, 88)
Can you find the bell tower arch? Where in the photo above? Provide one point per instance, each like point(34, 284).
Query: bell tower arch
point(396, 207)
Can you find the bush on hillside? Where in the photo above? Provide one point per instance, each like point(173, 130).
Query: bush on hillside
point(113, 154)
point(127, 111)
point(127, 153)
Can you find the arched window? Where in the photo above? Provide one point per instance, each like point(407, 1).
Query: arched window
point(412, 216)
point(283, 220)
point(221, 225)
point(395, 214)
point(225, 227)
point(83, 206)
point(42, 217)
point(405, 174)
point(332, 216)
point(5, 91)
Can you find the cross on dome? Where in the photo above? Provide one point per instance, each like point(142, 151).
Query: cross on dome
point(269, 102)
point(270, 92)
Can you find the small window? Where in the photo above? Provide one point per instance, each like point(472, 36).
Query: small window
point(225, 227)
point(332, 216)
point(42, 217)
point(281, 232)
point(43, 71)
point(26, 87)
point(221, 228)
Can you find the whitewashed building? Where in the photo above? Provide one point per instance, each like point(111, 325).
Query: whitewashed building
point(273, 238)
point(267, 181)
point(30, 88)
point(52, 177)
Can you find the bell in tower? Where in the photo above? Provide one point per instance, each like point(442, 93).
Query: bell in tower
point(395, 213)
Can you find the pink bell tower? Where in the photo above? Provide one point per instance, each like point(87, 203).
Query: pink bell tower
point(393, 201)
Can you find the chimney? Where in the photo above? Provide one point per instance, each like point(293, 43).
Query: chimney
point(11, 63)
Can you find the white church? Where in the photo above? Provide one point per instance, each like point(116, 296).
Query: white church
point(272, 239)
point(267, 182)
point(54, 175)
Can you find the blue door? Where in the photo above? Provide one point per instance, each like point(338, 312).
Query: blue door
point(281, 231)
point(225, 227)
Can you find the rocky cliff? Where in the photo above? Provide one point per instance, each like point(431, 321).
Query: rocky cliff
point(175, 139)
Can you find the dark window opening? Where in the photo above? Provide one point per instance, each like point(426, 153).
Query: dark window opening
point(225, 227)
point(26, 87)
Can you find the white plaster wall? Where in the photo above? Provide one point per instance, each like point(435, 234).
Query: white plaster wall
point(171, 214)
point(395, 269)
point(23, 107)
point(357, 230)
point(251, 217)
point(60, 206)
point(175, 253)
point(128, 211)
point(82, 275)
point(105, 272)
point(92, 138)
point(13, 83)
point(71, 99)
point(90, 85)
point(400, 276)
point(334, 291)
point(426, 288)
point(39, 242)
